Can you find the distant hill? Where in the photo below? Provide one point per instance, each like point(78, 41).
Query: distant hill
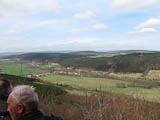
point(94, 53)
point(43, 57)
point(10, 53)
point(86, 53)
point(114, 61)
point(137, 62)
point(112, 53)
point(132, 51)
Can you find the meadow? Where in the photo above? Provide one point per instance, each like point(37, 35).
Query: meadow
point(80, 85)
point(18, 69)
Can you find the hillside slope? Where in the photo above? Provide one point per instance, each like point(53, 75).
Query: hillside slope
point(137, 62)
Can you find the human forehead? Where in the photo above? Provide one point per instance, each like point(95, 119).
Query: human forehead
point(9, 98)
point(1, 83)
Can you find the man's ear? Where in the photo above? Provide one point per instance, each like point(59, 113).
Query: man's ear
point(21, 109)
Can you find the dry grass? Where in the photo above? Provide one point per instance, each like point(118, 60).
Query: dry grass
point(99, 107)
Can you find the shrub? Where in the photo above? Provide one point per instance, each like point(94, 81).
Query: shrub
point(121, 85)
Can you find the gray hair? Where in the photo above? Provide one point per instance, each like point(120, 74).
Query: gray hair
point(25, 95)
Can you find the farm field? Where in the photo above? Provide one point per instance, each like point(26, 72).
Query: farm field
point(80, 84)
point(126, 75)
point(153, 74)
point(17, 69)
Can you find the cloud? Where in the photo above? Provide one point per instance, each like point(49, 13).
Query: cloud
point(77, 31)
point(9, 41)
point(83, 15)
point(16, 5)
point(13, 31)
point(16, 28)
point(65, 44)
point(152, 22)
point(146, 28)
point(132, 5)
point(82, 40)
point(10, 6)
point(27, 26)
point(50, 5)
point(142, 32)
point(97, 43)
point(52, 22)
point(99, 26)
point(94, 27)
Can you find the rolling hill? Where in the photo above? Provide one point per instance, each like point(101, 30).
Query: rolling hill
point(121, 61)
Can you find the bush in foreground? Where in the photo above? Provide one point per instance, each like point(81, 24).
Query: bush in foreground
point(76, 107)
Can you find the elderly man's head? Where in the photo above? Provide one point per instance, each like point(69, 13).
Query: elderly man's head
point(5, 89)
point(22, 100)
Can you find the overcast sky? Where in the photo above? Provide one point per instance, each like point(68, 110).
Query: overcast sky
point(57, 25)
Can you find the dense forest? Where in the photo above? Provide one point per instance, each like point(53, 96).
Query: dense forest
point(121, 63)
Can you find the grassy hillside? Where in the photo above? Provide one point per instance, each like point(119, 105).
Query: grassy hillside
point(150, 90)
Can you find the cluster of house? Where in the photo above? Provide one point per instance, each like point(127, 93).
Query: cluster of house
point(55, 72)
point(67, 73)
point(33, 64)
point(37, 75)
point(70, 72)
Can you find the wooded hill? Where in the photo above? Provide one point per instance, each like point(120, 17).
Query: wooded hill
point(136, 62)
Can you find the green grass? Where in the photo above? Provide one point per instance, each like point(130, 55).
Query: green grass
point(81, 82)
point(106, 85)
point(17, 69)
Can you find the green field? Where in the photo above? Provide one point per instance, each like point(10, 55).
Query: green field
point(107, 85)
point(17, 69)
